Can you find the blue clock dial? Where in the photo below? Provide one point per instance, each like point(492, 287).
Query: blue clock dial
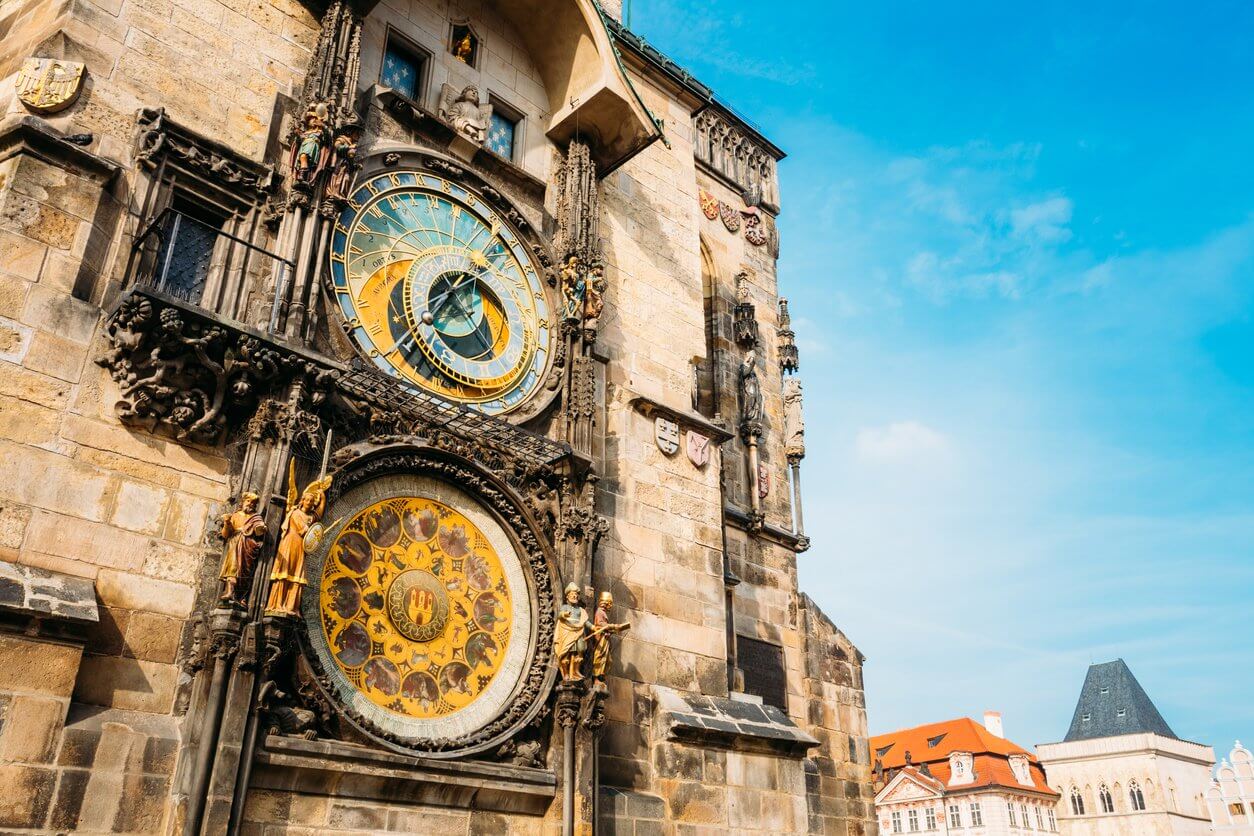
point(439, 291)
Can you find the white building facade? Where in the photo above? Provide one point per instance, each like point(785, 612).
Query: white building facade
point(1121, 771)
point(1230, 798)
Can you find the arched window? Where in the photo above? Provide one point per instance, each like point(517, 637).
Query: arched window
point(1136, 796)
point(1077, 802)
point(1108, 803)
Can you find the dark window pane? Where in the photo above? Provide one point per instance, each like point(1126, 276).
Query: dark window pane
point(763, 667)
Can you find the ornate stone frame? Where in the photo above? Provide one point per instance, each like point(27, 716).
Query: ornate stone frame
point(382, 161)
point(510, 510)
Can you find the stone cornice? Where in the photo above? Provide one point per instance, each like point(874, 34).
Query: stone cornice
point(33, 136)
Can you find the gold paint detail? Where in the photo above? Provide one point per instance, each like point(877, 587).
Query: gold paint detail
point(415, 607)
point(49, 85)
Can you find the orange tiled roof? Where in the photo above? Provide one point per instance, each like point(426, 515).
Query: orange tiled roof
point(962, 735)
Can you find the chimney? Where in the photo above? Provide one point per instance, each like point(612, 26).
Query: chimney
point(992, 722)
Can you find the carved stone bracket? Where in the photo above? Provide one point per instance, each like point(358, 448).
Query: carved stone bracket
point(744, 315)
point(193, 375)
point(569, 701)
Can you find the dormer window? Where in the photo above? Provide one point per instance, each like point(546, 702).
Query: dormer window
point(961, 768)
point(1121, 713)
point(1085, 718)
point(1019, 768)
point(933, 742)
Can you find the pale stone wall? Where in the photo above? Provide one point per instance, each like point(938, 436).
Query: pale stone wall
point(100, 728)
point(1158, 764)
point(505, 70)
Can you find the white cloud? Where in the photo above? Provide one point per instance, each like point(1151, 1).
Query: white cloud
point(901, 441)
point(1046, 221)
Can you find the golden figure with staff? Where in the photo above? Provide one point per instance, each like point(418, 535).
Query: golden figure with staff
point(302, 531)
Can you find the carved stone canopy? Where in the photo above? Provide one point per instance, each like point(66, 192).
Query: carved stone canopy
point(590, 96)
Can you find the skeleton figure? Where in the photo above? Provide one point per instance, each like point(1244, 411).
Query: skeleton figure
point(465, 113)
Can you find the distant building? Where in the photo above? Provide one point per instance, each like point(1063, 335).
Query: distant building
point(959, 777)
point(1121, 769)
point(1230, 798)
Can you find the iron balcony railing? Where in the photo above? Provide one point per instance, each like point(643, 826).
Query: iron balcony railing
point(180, 256)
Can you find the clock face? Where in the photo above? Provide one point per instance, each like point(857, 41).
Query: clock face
point(439, 291)
point(421, 617)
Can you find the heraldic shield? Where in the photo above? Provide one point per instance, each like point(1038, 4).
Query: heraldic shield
point(666, 433)
point(49, 85)
point(698, 448)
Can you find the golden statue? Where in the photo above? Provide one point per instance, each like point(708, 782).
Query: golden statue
point(570, 638)
point(464, 49)
point(602, 629)
point(302, 531)
point(244, 531)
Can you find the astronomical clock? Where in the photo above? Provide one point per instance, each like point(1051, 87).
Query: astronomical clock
point(438, 290)
point(424, 607)
point(428, 610)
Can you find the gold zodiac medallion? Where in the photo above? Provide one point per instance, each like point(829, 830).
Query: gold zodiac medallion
point(415, 607)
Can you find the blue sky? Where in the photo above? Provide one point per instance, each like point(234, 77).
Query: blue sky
point(1022, 236)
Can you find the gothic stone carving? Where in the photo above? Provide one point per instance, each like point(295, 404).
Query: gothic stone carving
point(794, 421)
point(465, 112)
point(750, 390)
point(744, 315)
point(736, 156)
point(789, 356)
point(160, 136)
point(191, 375)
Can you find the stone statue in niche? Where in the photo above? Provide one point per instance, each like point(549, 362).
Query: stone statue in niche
point(602, 629)
point(794, 420)
point(343, 161)
point(594, 296)
point(464, 111)
point(244, 531)
point(313, 150)
point(302, 531)
point(574, 290)
point(750, 388)
point(570, 641)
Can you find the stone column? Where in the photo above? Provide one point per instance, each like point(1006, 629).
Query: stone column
point(224, 632)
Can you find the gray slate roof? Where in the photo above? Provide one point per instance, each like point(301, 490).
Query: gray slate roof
point(1110, 688)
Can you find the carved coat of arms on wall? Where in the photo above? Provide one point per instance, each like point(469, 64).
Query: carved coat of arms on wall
point(666, 432)
point(698, 448)
point(49, 85)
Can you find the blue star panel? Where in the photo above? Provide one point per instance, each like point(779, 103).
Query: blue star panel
point(400, 72)
point(501, 136)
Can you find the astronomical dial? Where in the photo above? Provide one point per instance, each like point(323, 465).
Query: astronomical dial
point(439, 291)
point(422, 617)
